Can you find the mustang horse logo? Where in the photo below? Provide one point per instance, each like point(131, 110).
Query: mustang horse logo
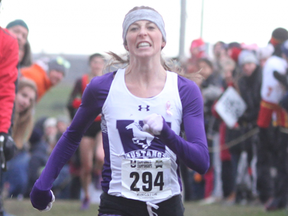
point(139, 136)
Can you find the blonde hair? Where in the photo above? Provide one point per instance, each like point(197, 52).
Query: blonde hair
point(23, 122)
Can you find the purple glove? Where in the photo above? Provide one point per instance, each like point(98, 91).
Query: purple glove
point(42, 200)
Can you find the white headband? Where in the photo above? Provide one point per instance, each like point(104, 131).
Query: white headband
point(143, 14)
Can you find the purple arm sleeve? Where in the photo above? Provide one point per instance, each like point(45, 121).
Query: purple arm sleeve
point(194, 151)
point(92, 101)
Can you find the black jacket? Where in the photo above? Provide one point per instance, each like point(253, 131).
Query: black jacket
point(250, 91)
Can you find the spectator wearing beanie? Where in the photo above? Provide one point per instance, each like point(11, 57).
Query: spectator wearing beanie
point(46, 73)
point(247, 56)
point(234, 49)
point(20, 29)
point(263, 53)
point(197, 51)
point(249, 85)
point(279, 35)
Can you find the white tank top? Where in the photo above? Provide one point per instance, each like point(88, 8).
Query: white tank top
point(142, 167)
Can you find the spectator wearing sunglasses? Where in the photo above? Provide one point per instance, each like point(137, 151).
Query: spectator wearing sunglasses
point(46, 73)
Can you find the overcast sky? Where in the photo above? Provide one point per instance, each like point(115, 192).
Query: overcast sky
point(89, 26)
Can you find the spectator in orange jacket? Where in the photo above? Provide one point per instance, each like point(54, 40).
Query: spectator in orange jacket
point(46, 73)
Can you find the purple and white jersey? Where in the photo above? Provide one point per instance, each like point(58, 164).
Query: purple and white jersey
point(127, 147)
point(122, 122)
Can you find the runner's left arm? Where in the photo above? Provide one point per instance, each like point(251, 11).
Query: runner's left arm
point(193, 151)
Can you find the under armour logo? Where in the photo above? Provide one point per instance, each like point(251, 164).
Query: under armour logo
point(140, 108)
point(133, 164)
point(159, 163)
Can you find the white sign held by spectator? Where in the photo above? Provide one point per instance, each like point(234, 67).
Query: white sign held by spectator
point(230, 107)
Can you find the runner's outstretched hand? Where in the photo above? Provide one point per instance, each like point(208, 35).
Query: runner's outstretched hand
point(42, 200)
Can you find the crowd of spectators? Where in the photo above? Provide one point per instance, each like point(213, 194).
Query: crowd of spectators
point(248, 160)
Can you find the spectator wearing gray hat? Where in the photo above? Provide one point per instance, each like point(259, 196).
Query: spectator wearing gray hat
point(248, 62)
point(248, 80)
point(46, 73)
point(20, 29)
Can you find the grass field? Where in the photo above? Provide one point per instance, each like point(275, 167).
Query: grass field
point(71, 208)
point(54, 101)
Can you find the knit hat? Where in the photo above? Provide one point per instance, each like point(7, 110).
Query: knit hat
point(284, 48)
point(200, 44)
point(234, 53)
point(63, 118)
point(247, 57)
point(17, 22)
point(279, 35)
point(265, 52)
point(50, 122)
point(234, 44)
point(59, 64)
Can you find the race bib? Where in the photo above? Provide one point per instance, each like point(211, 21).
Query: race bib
point(146, 179)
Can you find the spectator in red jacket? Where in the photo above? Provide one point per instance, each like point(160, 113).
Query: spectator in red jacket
point(8, 79)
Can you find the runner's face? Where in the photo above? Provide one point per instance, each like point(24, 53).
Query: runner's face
point(144, 39)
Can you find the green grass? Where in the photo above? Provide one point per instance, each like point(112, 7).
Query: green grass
point(53, 103)
point(71, 208)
